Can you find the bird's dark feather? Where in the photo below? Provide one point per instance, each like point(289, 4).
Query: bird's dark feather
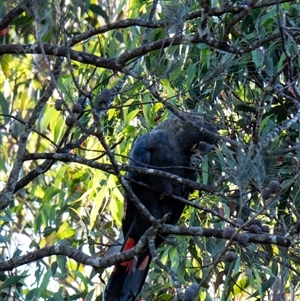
point(169, 147)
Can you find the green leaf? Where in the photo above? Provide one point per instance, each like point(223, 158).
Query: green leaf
point(54, 267)
point(130, 116)
point(3, 277)
point(4, 109)
point(98, 201)
point(258, 283)
point(45, 282)
point(57, 127)
point(33, 294)
point(58, 296)
point(116, 210)
point(257, 57)
point(62, 264)
point(12, 281)
point(90, 295)
point(165, 297)
point(64, 231)
point(191, 71)
point(97, 9)
point(85, 280)
point(5, 63)
point(264, 122)
point(3, 157)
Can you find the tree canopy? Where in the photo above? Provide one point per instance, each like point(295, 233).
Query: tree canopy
point(81, 80)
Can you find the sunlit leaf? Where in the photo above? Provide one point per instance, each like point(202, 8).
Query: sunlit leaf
point(97, 202)
point(65, 231)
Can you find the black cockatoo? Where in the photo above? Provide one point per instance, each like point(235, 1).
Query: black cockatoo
point(172, 147)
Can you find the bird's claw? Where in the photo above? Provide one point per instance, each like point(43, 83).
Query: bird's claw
point(196, 160)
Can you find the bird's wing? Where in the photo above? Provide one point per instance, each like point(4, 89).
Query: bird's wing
point(150, 150)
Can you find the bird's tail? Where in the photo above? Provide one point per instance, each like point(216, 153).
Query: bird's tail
point(127, 278)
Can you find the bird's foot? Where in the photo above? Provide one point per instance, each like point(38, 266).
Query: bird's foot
point(196, 160)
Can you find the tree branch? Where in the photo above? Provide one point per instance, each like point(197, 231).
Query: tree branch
point(150, 170)
point(14, 13)
point(105, 262)
point(215, 11)
point(263, 238)
point(117, 64)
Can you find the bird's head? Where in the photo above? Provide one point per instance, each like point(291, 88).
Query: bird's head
point(193, 133)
